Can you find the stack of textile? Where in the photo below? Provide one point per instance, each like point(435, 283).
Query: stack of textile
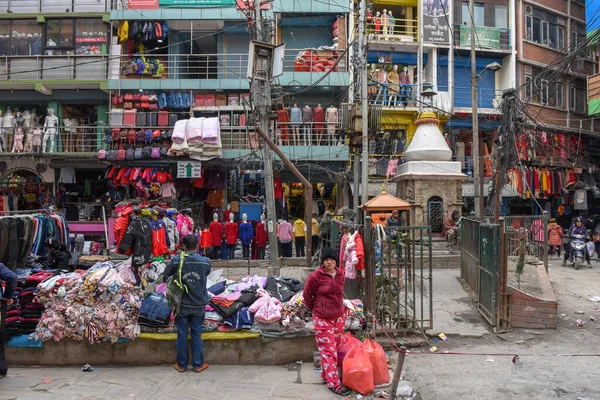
point(98, 306)
point(155, 312)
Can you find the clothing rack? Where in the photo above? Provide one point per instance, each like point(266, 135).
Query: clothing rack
point(28, 211)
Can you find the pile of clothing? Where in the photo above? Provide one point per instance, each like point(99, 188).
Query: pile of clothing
point(24, 314)
point(199, 138)
point(97, 305)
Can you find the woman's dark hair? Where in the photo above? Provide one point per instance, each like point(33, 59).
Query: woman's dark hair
point(190, 242)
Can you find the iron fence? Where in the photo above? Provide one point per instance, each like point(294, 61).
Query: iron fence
point(32, 68)
point(528, 234)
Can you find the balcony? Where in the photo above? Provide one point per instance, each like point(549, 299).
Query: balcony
point(226, 71)
point(403, 97)
point(402, 31)
point(84, 141)
point(487, 37)
point(59, 70)
point(486, 98)
point(593, 93)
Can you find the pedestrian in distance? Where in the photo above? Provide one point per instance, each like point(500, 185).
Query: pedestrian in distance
point(194, 272)
point(324, 296)
point(6, 299)
point(555, 235)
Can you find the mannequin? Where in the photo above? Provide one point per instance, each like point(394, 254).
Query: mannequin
point(170, 222)
point(283, 118)
point(27, 125)
point(382, 80)
point(36, 140)
point(227, 213)
point(307, 120)
point(216, 233)
point(394, 79)
point(384, 22)
point(404, 85)
point(300, 237)
point(262, 237)
point(2, 135)
point(391, 23)
point(331, 116)
point(19, 123)
point(319, 118)
point(378, 22)
point(285, 233)
point(66, 135)
point(50, 129)
point(372, 86)
point(18, 146)
point(35, 119)
point(231, 236)
point(8, 125)
point(296, 121)
point(245, 235)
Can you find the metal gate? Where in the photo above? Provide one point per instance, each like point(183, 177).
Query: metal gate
point(399, 278)
point(435, 210)
point(482, 266)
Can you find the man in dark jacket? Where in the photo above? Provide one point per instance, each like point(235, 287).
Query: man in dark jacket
point(138, 241)
point(10, 279)
point(58, 256)
point(194, 272)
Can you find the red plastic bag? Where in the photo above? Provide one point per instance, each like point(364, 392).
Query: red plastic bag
point(358, 372)
point(347, 344)
point(381, 373)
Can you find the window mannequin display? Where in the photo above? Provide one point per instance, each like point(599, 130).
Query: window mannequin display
point(18, 144)
point(262, 237)
point(27, 125)
point(8, 125)
point(384, 22)
point(394, 92)
point(319, 118)
point(404, 86)
point(216, 233)
point(285, 234)
point(231, 236)
point(391, 23)
point(50, 130)
point(331, 116)
point(296, 121)
point(245, 235)
point(307, 120)
point(300, 237)
point(378, 22)
point(382, 80)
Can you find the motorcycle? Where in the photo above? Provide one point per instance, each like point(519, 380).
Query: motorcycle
point(577, 244)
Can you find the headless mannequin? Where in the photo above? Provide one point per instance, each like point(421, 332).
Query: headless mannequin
point(8, 125)
point(319, 118)
point(331, 116)
point(50, 130)
point(231, 236)
point(27, 125)
point(404, 86)
point(296, 121)
point(307, 119)
point(394, 91)
point(261, 237)
point(245, 235)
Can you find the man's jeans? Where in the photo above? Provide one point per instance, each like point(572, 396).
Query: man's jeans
point(190, 319)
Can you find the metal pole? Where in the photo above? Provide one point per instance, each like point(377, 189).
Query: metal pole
point(362, 57)
point(308, 188)
point(475, 147)
point(262, 100)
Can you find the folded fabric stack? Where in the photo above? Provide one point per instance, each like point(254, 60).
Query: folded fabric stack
point(155, 312)
point(98, 306)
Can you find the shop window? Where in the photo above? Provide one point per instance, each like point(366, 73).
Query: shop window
point(91, 35)
point(4, 37)
point(59, 36)
point(544, 28)
point(25, 38)
point(478, 17)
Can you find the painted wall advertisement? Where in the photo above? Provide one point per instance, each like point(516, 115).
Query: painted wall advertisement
point(484, 37)
point(436, 28)
point(592, 13)
point(142, 4)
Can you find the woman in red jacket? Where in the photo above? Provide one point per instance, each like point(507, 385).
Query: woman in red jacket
point(324, 296)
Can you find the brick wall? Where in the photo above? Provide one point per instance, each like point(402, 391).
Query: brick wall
point(539, 53)
point(561, 6)
point(530, 312)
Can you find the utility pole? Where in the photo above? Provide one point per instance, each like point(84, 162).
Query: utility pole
point(478, 196)
point(261, 94)
point(362, 59)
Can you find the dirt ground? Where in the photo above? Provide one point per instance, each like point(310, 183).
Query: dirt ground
point(553, 364)
point(529, 281)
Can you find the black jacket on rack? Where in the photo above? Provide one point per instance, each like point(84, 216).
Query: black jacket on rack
point(138, 239)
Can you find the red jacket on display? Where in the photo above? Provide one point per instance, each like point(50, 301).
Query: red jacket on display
point(231, 232)
point(262, 237)
point(120, 226)
point(324, 294)
point(216, 232)
point(205, 239)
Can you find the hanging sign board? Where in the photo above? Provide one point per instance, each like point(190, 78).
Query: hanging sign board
point(189, 169)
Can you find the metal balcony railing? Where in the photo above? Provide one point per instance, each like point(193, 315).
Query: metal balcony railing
point(68, 68)
point(224, 66)
point(81, 139)
point(59, 6)
point(404, 95)
point(403, 30)
point(486, 98)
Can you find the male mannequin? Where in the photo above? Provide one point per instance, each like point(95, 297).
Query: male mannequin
point(27, 125)
point(262, 237)
point(382, 79)
point(231, 236)
point(285, 233)
point(8, 125)
point(50, 129)
point(319, 118)
point(404, 85)
point(391, 23)
point(384, 22)
point(216, 233)
point(331, 116)
point(307, 120)
point(394, 79)
point(245, 235)
point(296, 121)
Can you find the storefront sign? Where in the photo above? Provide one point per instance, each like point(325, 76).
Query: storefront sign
point(189, 169)
point(485, 36)
point(142, 4)
point(90, 40)
point(197, 3)
point(436, 14)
